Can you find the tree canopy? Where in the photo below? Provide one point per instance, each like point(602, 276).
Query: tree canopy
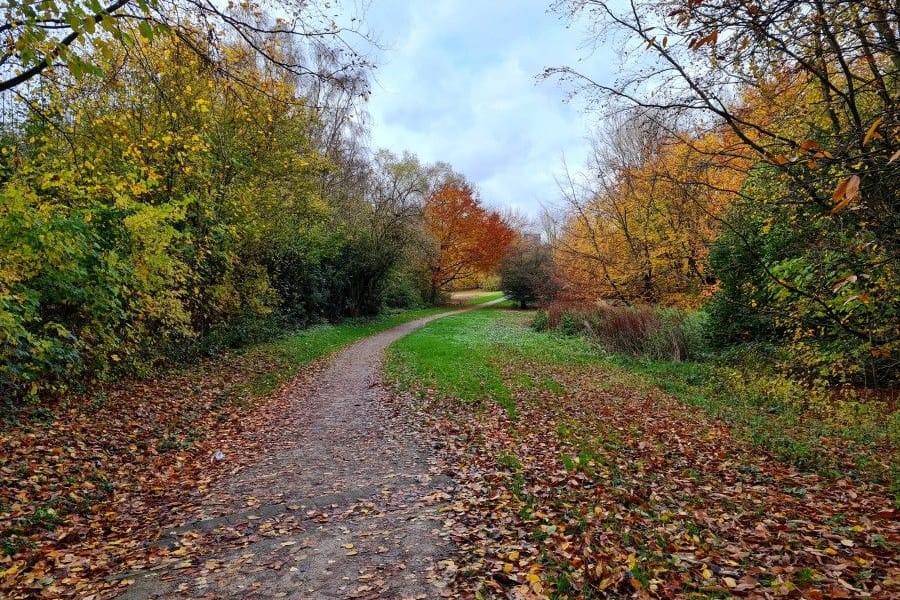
point(189, 177)
point(771, 126)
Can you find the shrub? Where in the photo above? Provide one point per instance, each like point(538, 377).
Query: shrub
point(630, 330)
point(527, 274)
point(400, 291)
point(678, 335)
point(540, 322)
point(825, 291)
point(570, 324)
point(491, 283)
point(660, 333)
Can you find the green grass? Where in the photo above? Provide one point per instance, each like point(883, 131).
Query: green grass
point(461, 356)
point(782, 416)
point(486, 297)
point(294, 351)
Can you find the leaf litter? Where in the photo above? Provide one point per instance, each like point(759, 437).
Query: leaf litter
point(82, 492)
point(588, 489)
point(596, 489)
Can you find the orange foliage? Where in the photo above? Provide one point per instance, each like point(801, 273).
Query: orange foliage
point(644, 235)
point(470, 241)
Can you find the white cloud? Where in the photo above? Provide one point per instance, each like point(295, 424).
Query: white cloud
point(459, 85)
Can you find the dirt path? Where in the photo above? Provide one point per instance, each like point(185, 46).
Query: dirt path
point(346, 506)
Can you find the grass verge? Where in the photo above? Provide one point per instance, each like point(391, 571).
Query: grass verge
point(809, 429)
point(486, 297)
point(464, 356)
point(472, 297)
point(576, 474)
point(293, 351)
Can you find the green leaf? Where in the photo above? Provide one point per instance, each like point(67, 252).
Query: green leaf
point(146, 30)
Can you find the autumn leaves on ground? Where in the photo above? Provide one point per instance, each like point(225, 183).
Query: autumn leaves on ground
point(690, 390)
point(571, 477)
point(578, 480)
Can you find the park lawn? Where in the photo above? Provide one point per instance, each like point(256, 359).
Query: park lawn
point(473, 297)
point(486, 297)
point(580, 477)
point(291, 352)
point(464, 356)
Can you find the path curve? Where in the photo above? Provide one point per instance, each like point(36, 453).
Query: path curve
point(347, 507)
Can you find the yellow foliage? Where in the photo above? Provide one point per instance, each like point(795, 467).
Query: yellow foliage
point(646, 235)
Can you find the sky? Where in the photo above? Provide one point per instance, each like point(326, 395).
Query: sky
point(457, 82)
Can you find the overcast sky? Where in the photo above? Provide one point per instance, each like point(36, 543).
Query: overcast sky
point(458, 83)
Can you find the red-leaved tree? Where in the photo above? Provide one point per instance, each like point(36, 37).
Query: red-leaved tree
point(469, 239)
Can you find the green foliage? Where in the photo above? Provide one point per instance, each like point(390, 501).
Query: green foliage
point(141, 221)
point(70, 288)
point(734, 258)
point(570, 323)
point(46, 517)
point(789, 274)
point(679, 336)
point(401, 291)
point(541, 321)
point(527, 274)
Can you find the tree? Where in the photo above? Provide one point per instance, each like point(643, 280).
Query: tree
point(41, 37)
point(638, 228)
point(385, 229)
point(527, 273)
point(807, 91)
point(468, 240)
point(162, 206)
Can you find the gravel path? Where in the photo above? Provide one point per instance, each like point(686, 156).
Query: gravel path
point(345, 506)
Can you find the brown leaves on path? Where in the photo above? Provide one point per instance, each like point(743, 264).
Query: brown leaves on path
point(86, 484)
point(599, 490)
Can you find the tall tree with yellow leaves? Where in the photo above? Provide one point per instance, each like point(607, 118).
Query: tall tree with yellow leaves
point(807, 91)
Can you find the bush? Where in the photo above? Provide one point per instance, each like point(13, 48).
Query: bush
point(659, 333)
point(132, 258)
point(569, 324)
point(491, 283)
point(824, 291)
point(527, 274)
point(401, 291)
point(540, 322)
point(630, 330)
point(678, 335)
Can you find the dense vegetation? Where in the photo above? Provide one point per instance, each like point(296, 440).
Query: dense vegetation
point(174, 192)
point(750, 165)
point(527, 273)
